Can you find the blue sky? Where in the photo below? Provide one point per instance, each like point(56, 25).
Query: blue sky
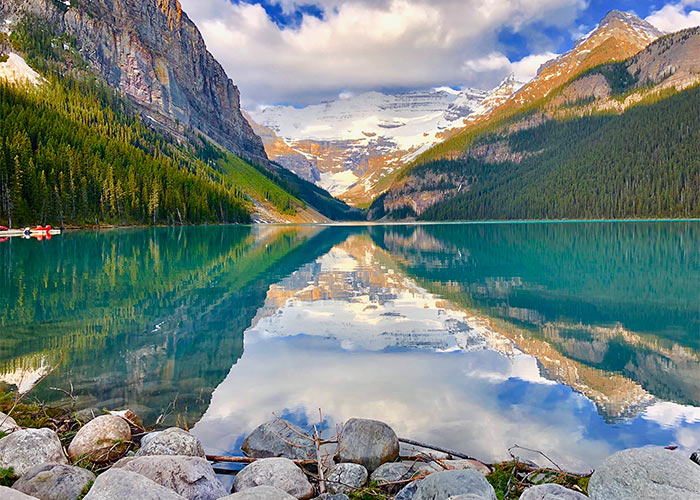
point(301, 52)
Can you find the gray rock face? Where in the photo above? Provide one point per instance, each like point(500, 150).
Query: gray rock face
point(27, 448)
point(7, 424)
point(172, 441)
point(151, 51)
point(367, 442)
point(281, 473)
point(260, 493)
point(54, 481)
point(190, 477)
point(645, 474)
point(450, 483)
point(126, 485)
point(344, 478)
point(551, 492)
point(279, 438)
point(10, 494)
point(102, 439)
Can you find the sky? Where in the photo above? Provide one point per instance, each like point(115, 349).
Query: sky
point(301, 52)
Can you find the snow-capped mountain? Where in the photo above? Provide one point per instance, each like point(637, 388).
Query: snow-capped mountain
point(349, 145)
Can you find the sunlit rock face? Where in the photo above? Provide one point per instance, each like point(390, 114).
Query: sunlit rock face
point(153, 53)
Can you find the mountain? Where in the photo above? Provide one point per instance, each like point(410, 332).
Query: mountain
point(186, 152)
point(352, 147)
point(605, 130)
point(154, 54)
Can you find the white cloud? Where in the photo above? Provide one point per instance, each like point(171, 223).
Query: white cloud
point(497, 64)
point(370, 44)
point(678, 16)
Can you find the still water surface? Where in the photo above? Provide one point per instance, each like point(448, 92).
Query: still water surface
point(575, 339)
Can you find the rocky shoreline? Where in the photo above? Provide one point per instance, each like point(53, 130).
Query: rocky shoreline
point(112, 456)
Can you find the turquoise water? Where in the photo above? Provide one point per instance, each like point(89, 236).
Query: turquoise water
point(575, 339)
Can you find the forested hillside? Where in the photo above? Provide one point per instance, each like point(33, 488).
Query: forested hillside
point(617, 140)
point(643, 163)
point(75, 152)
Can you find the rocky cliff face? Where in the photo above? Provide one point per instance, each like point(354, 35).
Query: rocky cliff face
point(153, 53)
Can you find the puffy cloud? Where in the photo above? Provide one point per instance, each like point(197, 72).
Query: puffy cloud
point(674, 17)
point(372, 44)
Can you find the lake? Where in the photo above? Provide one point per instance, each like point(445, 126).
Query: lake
point(576, 339)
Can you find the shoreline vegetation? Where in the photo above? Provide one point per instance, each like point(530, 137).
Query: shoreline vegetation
point(95, 454)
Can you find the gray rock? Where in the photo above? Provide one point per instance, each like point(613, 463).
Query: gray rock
point(120, 484)
point(328, 496)
point(260, 493)
point(392, 472)
point(279, 438)
point(367, 442)
point(344, 478)
point(190, 477)
point(408, 491)
point(172, 441)
point(645, 474)
point(148, 437)
point(469, 496)
point(102, 439)
point(27, 448)
point(466, 463)
point(7, 424)
point(54, 481)
point(10, 494)
point(449, 483)
point(280, 472)
point(551, 492)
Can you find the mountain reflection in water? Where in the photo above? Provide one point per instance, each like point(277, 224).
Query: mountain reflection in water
point(575, 339)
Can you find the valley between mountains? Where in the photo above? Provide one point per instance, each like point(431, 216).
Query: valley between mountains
point(104, 124)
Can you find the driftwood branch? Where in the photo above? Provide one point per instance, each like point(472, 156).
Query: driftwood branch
point(248, 460)
point(436, 448)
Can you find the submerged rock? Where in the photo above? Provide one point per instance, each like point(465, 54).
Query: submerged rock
point(27, 448)
point(645, 474)
point(102, 439)
point(281, 473)
point(126, 485)
point(172, 441)
point(260, 493)
point(10, 494)
point(450, 483)
point(551, 492)
point(190, 477)
point(369, 443)
point(344, 478)
point(54, 481)
point(279, 438)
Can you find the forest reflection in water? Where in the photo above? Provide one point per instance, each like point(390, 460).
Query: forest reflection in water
point(576, 339)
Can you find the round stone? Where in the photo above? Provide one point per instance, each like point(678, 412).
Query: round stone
point(103, 439)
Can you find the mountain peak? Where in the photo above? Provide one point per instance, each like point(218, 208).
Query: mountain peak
point(631, 20)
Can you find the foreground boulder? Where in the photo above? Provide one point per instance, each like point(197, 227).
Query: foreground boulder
point(172, 441)
point(645, 474)
point(10, 494)
point(451, 483)
point(54, 481)
point(260, 493)
point(551, 492)
point(190, 477)
point(279, 438)
point(281, 473)
point(126, 485)
point(102, 439)
point(344, 478)
point(27, 448)
point(7, 424)
point(369, 443)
